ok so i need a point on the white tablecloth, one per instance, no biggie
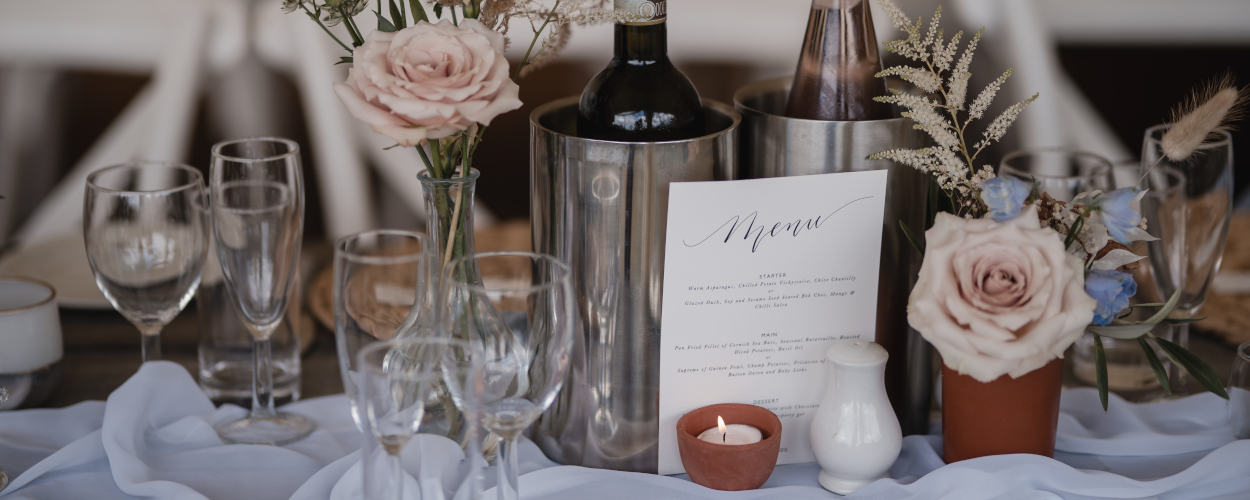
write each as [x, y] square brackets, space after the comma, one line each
[153, 438]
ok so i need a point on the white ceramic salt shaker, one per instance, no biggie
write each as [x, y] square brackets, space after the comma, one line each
[855, 434]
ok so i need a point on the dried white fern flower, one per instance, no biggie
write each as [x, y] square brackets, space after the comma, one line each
[938, 112]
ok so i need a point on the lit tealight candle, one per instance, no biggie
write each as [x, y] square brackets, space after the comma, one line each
[731, 434]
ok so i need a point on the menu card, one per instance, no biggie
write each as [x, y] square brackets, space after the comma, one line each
[759, 277]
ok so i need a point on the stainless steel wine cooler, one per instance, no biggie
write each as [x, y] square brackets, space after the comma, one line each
[773, 145]
[602, 207]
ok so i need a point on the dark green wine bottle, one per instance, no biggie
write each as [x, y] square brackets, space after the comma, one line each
[641, 96]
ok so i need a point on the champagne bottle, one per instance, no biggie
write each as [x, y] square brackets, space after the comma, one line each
[640, 96]
[834, 80]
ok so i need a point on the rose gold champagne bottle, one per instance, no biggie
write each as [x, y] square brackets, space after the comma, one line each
[834, 80]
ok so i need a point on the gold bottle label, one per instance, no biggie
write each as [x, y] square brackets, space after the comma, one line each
[651, 11]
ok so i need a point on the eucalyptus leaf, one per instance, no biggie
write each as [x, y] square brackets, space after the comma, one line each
[1100, 369]
[1156, 365]
[911, 238]
[1122, 332]
[1196, 367]
[1183, 321]
[384, 25]
[1167, 308]
[418, 12]
[397, 18]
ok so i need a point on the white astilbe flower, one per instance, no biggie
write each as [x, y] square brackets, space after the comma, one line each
[926, 80]
[942, 59]
[938, 111]
[982, 102]
[958, 82]
[1002, 122]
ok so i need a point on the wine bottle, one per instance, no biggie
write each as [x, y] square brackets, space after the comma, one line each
[640, 96]
[835, 78]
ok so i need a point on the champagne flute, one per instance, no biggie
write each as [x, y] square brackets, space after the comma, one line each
[257, 196]
[394, 378]
[522, 341]
[146, 230]
[1061, 173]
[1192, 225]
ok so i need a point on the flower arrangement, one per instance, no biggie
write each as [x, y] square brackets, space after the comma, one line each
[436, 84]
[1011, 277]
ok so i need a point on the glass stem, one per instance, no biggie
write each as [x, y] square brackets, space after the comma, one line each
[395, 476]
[262, 381]
[1180, 378]
[151, 346]
[507, 484]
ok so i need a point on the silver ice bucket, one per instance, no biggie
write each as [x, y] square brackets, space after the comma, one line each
[602, 207]
[772, 145]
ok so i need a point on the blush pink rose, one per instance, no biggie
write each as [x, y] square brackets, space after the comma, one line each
[998, 298]
[429, 81]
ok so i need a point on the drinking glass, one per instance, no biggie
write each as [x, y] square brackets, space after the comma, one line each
[394, 379]
[146, 231]
[1190, 217]
[522, 341]
[1061, 173]
[1239, 393]
[381, 280]
[257, 199]
[4, 398]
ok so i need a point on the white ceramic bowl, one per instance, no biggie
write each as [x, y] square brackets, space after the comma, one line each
[30, 339]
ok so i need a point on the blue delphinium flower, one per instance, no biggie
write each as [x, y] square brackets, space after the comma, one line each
[1120, 212]
[1004, 196]
[1111, 289]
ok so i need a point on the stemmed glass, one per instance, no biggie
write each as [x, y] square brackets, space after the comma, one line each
[257, 196]
[1238, 393]
[1191, 225]
[521, 341]
[394, 379]
[146, 231]
[381, 285]
[1061, 173]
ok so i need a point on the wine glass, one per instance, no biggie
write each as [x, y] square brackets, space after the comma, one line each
[257, 199]
[1061, 173]
[522, 341]
[394, 379]
[1239, 393]
[146, 231]
[381, 284]
[1191, 221]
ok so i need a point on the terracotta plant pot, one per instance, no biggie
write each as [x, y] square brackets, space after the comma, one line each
[1000, 417]
[729, 467]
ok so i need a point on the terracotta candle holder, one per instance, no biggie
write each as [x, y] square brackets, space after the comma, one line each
[729, 467]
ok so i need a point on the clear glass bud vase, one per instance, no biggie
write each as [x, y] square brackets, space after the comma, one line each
[449, 212]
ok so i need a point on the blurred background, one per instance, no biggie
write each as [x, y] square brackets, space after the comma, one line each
[85, 84]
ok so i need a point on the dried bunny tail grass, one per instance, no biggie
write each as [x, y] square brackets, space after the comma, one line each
[1213, 106]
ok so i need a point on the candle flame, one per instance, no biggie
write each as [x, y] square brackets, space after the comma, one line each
[720, 424]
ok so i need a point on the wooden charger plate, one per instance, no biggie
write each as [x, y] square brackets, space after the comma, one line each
[511, 235]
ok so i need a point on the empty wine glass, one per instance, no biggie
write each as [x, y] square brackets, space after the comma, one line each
[381, 282]
[394, 378]
[146, 231]
[522, 340]
[257, 195]
[1239, 393]
[1191, 222]
[1061, 173]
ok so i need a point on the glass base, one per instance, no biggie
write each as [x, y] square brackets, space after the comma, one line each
[282, 429]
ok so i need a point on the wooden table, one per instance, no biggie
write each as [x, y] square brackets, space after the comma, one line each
[102, 351]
